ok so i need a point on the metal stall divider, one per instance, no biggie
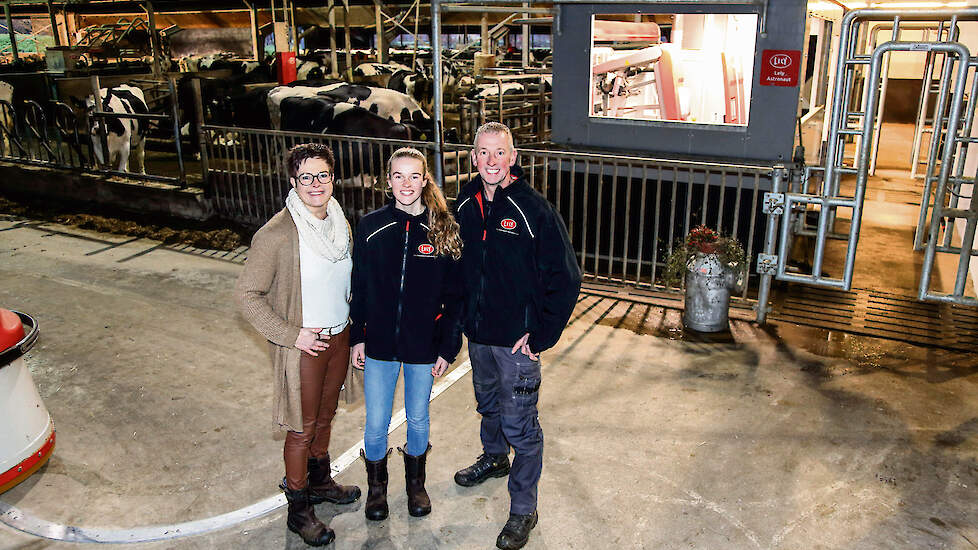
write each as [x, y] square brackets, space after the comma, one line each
[10, 132]
[785, 208]
[927, 88]
[938, 132]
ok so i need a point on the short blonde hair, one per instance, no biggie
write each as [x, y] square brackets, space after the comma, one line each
[494, 128]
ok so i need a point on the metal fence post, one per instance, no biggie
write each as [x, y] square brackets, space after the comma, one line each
[103, 143]
[201, 135]
[436, 72]
[542, 111]
[175, 113]
[770, 241]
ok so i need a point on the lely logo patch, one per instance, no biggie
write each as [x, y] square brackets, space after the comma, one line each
[508, 224]
[426, 248]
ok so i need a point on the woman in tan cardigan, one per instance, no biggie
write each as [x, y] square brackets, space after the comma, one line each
[295, 290]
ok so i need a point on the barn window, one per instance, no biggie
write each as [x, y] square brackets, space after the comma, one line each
[677, 68]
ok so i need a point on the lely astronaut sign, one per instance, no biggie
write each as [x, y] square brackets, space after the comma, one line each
[780, 67]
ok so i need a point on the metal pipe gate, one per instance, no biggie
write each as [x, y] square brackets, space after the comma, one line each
[787, 207]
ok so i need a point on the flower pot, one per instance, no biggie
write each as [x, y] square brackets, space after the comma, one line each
[707, 295]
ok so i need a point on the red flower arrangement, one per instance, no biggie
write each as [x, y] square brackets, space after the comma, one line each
[702, 240]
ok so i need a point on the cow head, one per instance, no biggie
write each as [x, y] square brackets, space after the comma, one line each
[420, 69]
[215, 100]
[423, 91]
[98, 126]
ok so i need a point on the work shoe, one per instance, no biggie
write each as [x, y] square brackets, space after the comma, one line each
[376, 507]
[322, 488]
[302, 519]
[418, 502]
[516, 531]
[485, 466]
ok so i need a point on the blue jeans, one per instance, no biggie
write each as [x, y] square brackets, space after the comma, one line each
[379, 381]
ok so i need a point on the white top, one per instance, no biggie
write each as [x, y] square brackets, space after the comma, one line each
[325, 289]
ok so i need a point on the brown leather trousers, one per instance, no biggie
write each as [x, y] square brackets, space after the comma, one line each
[320, 380]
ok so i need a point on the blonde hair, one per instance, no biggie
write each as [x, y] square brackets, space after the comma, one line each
[444, 231]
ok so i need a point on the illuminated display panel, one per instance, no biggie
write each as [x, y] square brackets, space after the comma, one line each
[682, 68]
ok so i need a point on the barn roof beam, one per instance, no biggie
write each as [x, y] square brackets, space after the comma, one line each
[22, 8]
[457, 8]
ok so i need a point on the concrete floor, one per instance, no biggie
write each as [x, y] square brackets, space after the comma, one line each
[770, 437]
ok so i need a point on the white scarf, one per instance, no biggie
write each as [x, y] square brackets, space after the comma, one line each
[330, 237]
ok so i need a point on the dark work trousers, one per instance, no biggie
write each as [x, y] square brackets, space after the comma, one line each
[320, 380]
[506, 390]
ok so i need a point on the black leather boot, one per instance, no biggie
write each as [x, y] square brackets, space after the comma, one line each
[303, 521]
[516, 531]
[376, 507]
[485, 466]
[418, 502]
[322, 488]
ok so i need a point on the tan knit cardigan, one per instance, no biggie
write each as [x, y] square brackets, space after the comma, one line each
[269, 295]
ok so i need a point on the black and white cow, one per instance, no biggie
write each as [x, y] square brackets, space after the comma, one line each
[414, 84]
[279, 93]
[389, 104]
[487, 91]
[313, 66]
[311, 69]
[242, 71]
[321, 115]
[419, 83]
[355, 165]
[123, 135]
[314, 83]
[195, 63]
[250, 72]
[377, 74]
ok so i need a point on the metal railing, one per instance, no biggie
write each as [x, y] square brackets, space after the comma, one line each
[58, 136]
[528, 116]
[43, 137]
[624, 213]
[245, 170]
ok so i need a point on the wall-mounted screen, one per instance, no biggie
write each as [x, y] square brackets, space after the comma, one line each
[682, 68]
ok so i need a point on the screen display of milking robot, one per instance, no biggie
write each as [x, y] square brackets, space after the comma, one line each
[682, 68]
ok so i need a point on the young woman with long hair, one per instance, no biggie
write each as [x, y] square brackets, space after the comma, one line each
[405, 310]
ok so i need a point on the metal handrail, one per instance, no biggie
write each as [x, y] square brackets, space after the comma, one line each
[312, 135]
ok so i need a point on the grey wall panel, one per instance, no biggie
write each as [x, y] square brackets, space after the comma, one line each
[769, 135]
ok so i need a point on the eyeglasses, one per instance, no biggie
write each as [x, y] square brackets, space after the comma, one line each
[307, 178]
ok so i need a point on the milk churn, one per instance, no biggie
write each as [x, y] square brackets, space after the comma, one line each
[708, 285]
[26, 429]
